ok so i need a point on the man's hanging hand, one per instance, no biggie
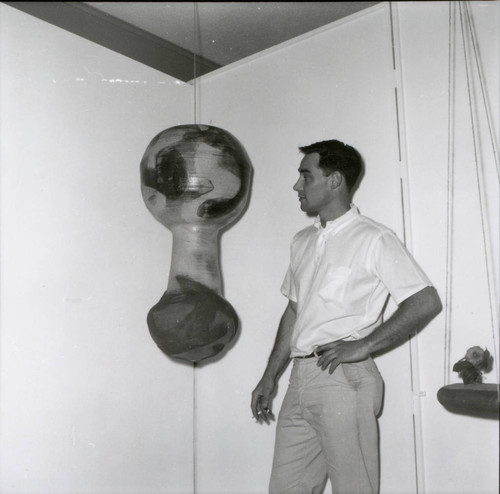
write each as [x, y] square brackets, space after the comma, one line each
[261, 400]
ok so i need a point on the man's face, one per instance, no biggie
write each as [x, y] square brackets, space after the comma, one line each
[313, 187]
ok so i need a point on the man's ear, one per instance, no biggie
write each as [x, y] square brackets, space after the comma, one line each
[335, 179]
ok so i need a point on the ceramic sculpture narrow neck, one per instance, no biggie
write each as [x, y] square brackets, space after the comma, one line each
[196, 256]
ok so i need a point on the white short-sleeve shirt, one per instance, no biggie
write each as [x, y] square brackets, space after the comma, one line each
[341, 275]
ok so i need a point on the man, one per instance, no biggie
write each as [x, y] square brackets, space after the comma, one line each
[342, 270]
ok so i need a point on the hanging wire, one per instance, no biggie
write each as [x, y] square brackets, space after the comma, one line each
[194, 428]
[480, 190]
[196, 49]
[482, 85]
[196, 38]
[450, 189]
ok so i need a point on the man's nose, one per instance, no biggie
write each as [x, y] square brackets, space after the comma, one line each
[297, 186]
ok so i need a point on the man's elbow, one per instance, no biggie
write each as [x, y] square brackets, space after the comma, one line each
[434, 305]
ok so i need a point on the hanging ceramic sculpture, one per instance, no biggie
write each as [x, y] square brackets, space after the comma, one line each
[195, 181]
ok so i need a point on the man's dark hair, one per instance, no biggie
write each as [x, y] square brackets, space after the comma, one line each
[337, 156]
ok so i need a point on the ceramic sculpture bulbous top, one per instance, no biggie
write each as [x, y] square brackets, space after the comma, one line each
[195, 180]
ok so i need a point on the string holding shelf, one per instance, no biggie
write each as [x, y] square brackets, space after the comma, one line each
[472, 399]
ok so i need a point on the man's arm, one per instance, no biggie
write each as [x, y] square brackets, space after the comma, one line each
[412, 315]
[278, 360]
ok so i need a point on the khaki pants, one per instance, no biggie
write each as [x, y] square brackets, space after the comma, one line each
[327, 428]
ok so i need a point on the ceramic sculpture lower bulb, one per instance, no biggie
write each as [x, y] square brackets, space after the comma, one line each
[195, 180]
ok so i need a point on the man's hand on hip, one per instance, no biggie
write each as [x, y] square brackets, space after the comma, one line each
[338, 352]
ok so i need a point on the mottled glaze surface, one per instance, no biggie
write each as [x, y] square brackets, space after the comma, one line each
[195, 180]
[195, 174]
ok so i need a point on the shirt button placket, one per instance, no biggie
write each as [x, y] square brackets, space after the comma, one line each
[320, 246]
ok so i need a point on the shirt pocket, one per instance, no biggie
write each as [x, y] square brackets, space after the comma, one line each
[333, 286]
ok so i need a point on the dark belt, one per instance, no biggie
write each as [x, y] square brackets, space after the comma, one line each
[311, 355]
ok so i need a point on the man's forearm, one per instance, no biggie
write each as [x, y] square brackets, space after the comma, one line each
[280, 354]
[411, 316]
[279, 358]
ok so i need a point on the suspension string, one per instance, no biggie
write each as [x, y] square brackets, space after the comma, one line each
[450, 189]
[491, 288]
[480, 192]
[468, 16]
[196, 28]
[194, 428]
[196, 24]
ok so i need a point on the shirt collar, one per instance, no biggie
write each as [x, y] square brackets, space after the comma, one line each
[338, 223]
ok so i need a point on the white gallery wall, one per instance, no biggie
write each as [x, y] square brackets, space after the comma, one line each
[460, 452]
[88, 403]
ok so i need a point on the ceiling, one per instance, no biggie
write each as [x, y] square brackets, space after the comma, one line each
[189, 39]
[228, 31]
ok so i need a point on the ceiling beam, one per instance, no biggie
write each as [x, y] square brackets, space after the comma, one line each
[119, 36]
